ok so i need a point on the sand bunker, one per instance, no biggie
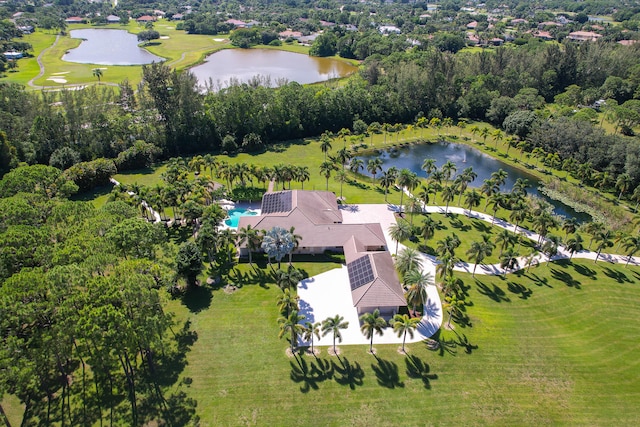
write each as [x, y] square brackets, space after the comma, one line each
[164, 37]
[57, 80]
[218, 40]
[61, 72]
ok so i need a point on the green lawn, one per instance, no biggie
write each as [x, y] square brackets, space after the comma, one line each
[467, 229]
[554, 346]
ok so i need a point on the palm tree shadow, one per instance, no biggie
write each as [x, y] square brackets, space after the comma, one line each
[519, 289]
[496, 294]
[441, 345]
[387, 374]
[463, 341]
[584, 270]
[347, 373]
[618, 276]
[418, 369]
[565, 278]
[309, 375]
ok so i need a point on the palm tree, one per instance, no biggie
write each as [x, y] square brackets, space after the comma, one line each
[505, 239]
[426, 191]
[484, 133]
[623, 184]
[448, 194]
[499, 177]
[472, 199]
[325, 144]
[403, 325]
[497, 135]
[400, 231]
[520, 187]
[341, 177]
[333, 325]
[97, 73]
[372, 324]
[489, 188]
[408, 259]
[603, 239]
[518, 214]
[428, 229]
[429, 166]
[593, 228]
[569, 225]
[449, 170]
[296, 238]
[406, 179]
[373, 167]
[288, 279]
[311, 330]
[325, 170]
[417, 290]
[542, 223]
[479, 251]
[509, 260]
[454, 304]
[287, 302]
[277, 243]
[445, 266]
[387, 179]
[632, 246]
[356, 165]
[290, 325]
[574, 244]
[550, 247]
[448, 245]
[303, 175]
[249, 235]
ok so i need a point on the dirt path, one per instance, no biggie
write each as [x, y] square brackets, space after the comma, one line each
[39, 59]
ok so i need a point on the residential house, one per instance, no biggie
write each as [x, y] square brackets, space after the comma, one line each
[236, 23]
[317, 219]
[13, 55]
[113, 19]
[146, 18]
[177, 17]
[389, 29]
[288, 33]
[584, 36]
[74, 20]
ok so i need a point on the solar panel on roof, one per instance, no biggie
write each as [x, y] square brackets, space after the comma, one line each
[360, 272]
[276, 202]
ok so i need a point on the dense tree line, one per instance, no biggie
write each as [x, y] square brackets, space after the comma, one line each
[84, 338]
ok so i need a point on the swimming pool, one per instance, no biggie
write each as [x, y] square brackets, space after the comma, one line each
[235, 214]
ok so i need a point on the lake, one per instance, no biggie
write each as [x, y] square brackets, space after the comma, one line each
[108, 47]
[243, 65]
[464, 156]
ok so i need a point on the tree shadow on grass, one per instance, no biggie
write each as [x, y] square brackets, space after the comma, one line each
[540, 281]
[565, 278]
[519, 289]
[458, 224]
[495, 293]
[481, 226]
[418, 369]
[347, 373]
[584, 270]
[618, 276]
[387, 374]
[178, 234]
[197, 298]
[310, 375]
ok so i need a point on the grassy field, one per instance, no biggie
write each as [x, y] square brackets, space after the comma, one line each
[469, 230]
[554, 346]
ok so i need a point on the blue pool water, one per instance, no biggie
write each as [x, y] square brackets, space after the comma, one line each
[235, 214]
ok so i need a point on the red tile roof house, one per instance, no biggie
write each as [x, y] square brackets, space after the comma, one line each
[146, 18]
[584, 36]
[318, 220]
[74, 20]
[235, 22]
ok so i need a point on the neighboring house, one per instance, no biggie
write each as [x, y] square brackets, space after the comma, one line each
[496, 41]
[473, 39]
[113, 19]
[472, 25]
[288, 33]
[177, 17]
[544, 35]
[389, 29]
[308, 40]
[584, 36]
[518, 21]
[160, 13]
[74, 20]
[627, 42]
[26, 29]
[13, 55]
[545, 24]
[317, 219]
[146, 18]
[237, 23]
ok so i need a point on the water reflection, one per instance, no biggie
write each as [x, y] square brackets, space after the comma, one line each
[464, 156]
[244, 65]
[108, 47]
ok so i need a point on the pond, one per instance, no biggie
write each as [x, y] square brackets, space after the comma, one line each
[108, 47]
[244, 65]
[464, 156]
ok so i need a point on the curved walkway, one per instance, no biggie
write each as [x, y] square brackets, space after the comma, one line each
[495, 269]
[39, 60]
